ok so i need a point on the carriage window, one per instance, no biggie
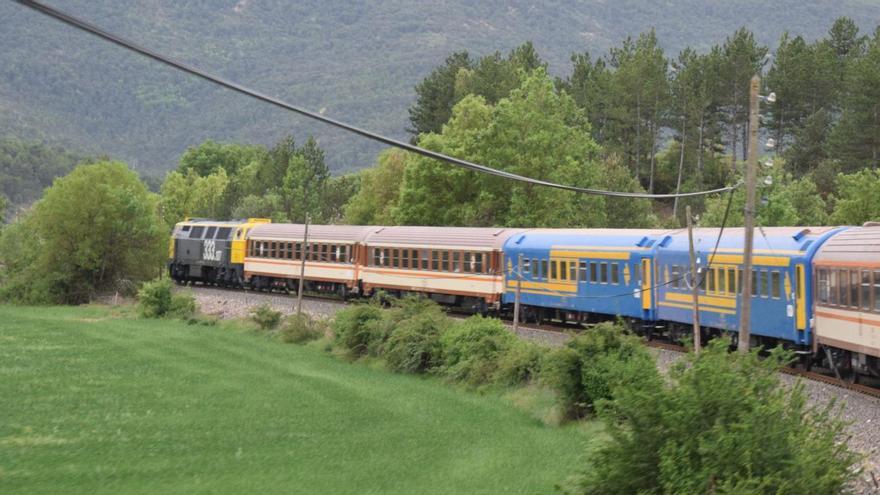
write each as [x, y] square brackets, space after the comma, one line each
[866, 290]
[822, 285]
[854, 288]
[832, 287]
[775, 285]
[478, 263]
[615, 274]
[210, 233]
[739, 281]
[594, 272]
[424, 258]
[722, 280]
[185, 228]
[223, 232]
[456, 262]
[415, 259]
[765, 283]
[876, 295]
[543, 269]
[843, 280]
[404, 258]
[395, 258]
[731, 281]
[536, 268]
[553, 272]
[711, 275]
[572, 271]
[445, 264]
[196, 232]
[674, 277]
[525, 268]
[435, 260]
[603, 273]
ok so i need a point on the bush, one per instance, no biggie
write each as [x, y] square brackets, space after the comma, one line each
[472, 349]
[355, 328]
[723, 424]
[154, 298]
[592, 365]
[265, 317]
[414, 345]
[520, 364]
[299, 329]
[183, 306]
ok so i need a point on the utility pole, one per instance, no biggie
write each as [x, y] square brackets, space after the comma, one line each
[304, 252]
[749, 218]
[695, 281]
[518, 292]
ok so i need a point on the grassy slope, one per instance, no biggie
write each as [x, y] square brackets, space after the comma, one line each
[93, 403]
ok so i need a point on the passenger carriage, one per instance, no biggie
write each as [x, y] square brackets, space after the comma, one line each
[847, 281]
[579, 275]
[781, 282]
[275, 254]
[457, 266]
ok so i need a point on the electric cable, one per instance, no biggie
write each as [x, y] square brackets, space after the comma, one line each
[131, 45]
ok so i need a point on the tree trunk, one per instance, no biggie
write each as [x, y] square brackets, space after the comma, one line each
[680, 168]
[700, 146]
[733, 136]
[653, 154]
[638, 138]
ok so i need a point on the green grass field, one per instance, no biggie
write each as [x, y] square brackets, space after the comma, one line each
[97, 403]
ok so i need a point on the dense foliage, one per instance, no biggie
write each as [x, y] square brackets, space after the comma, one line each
[724, 423]
[26, 168]
[94, 230]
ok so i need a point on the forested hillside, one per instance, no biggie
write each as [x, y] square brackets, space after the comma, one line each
[357, 62]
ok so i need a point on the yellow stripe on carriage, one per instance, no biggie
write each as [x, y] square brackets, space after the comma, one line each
[702, 308]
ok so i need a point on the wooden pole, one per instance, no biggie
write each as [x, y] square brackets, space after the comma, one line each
[695, 281]
[749, 218]
[518, 292]
[302, 268]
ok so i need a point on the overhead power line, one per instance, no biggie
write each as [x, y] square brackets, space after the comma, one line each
[130, 45]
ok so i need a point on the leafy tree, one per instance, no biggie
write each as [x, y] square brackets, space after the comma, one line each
[743, 57]
[810, 146]
[435, 95]
[856, 138]
[208, 157]
[723, 423]
[857, 199]
[787, 201]
[535, 132]
[93, 230]
[305, 182]
[339, 191]
[190, 195]
[493, 77]
[624, 213]
[378, 195]
[269, 205]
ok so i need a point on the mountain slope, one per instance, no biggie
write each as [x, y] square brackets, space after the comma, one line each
[358, 62]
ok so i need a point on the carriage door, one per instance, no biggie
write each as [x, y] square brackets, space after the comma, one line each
[800, 297]
[646, 284]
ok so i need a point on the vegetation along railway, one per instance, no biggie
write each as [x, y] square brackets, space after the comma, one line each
[816, 290]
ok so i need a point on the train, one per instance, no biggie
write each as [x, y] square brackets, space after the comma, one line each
[815, 290]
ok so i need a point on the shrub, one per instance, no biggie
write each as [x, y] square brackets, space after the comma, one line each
[301, 328]
[355, 328]
[154, 298]
[593, 364]
[400, 311]
[472, 349]
[414, 345]
[723, 424]
[183, 306]
[520, 363]
[265, 317]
